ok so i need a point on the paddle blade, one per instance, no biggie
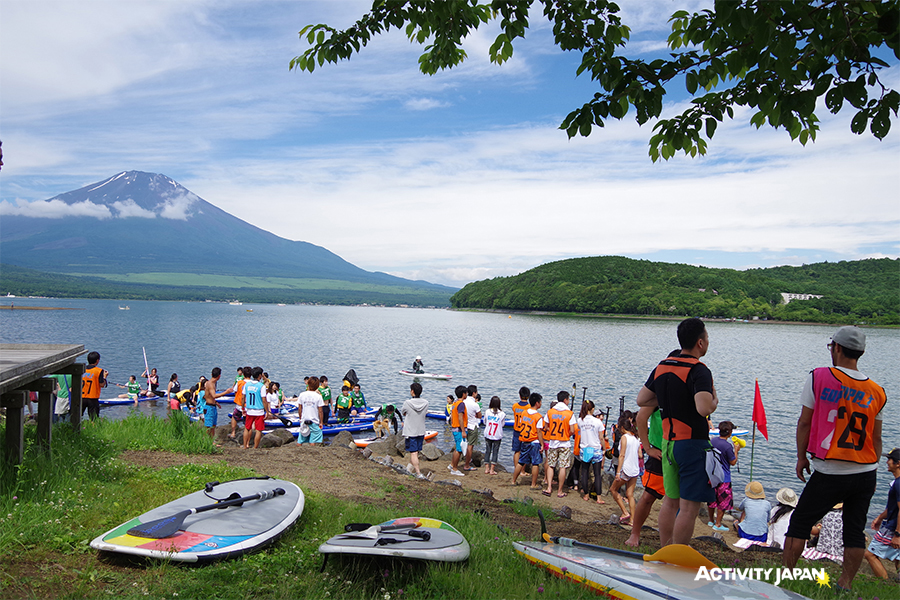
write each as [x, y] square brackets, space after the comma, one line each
[161, 528]
[681, 555]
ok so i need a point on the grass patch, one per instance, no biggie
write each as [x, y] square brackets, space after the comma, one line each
[52, 506]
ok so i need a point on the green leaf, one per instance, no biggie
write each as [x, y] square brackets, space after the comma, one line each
[690, 82]
[858, 124]
[711, 127]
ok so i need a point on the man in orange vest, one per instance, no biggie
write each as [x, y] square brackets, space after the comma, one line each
[237, 415]
[93, 380]
[840, 428]
[559, 426]
[518, 410]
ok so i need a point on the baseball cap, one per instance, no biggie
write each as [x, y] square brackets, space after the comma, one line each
[850, 337]
[894, 455]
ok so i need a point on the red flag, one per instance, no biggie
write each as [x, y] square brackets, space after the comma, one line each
[759, 413]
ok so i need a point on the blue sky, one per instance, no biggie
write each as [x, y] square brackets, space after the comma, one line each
[450, 178]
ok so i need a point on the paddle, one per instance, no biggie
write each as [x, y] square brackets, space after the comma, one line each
[167, 526]
[673, 554]
[364, 530]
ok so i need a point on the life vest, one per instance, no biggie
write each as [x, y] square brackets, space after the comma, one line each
[91, 383]
[325, 392]
[459, 419]
[530, 422]
[253, 395]
[681, 421]
[239, 392]
[519, 409]
[556, 425]
[844, 417]
[344, 401]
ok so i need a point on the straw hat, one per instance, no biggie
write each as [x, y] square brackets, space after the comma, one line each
[755, 490]
[786, 496]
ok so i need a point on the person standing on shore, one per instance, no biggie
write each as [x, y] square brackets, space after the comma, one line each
[310, 406]
[592, 432]
[518, 410]
[413, 411]
[93, 380]
[458, 427]
[649, 427]
[494, 420]
[325, 392]
[840, 428]
[885, 543]
[256, 408]
[682, 387]
[532, 441]
[473, 419]
[559, 426]
[211, 403]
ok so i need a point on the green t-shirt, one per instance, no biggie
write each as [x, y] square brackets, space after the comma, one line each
[65, 383]
[325, 392]
[133, 388]
[344, 401]
[655, 432]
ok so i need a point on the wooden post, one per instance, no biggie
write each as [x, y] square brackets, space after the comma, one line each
[76, 370]
[45, 388]
[14, 402]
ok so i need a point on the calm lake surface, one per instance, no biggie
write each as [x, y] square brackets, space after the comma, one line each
[497, 352]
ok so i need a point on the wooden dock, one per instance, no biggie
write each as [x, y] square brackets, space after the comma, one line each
[23, 369]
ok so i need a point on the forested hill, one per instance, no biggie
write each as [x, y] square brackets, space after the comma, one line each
[852, 291]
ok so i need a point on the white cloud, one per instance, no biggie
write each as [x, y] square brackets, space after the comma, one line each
[424, 103]
[55, 209]
[177, 206]
[129, 208]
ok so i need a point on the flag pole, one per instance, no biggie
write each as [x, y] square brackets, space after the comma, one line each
[752, 446]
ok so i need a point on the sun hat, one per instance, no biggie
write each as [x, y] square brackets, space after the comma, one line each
[304, 429]
[755, 490]
[850, 337]
[786, 496]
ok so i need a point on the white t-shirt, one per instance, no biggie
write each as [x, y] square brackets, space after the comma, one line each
[493, 425]
[630, 465]
[309, 403]
[592, 430]
[836, 467]
[472, 410]
[573, 422]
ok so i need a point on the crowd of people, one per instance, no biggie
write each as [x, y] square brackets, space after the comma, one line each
[666, 444]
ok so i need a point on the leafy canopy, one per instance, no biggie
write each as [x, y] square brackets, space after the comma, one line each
[778, 58]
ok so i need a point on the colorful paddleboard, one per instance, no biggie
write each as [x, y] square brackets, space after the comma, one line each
[333, 429]
[214, 534]
[738, 432]
[445, 544]
[631, 578]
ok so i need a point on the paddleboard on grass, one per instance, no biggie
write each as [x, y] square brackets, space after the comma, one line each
[445, 544]
[632, 578]
[214, 534]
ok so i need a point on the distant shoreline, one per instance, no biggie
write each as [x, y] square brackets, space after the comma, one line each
[547, 313]
[12, 307]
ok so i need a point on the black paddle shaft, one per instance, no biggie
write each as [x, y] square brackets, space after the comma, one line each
[167, 526]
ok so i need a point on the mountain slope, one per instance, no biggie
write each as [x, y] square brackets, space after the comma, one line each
[137, 222]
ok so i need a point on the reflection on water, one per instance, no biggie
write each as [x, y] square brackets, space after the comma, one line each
[609, 357]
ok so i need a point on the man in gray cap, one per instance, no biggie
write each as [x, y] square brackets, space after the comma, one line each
[840, 429]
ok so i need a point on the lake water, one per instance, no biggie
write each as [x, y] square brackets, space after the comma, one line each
[497, 352]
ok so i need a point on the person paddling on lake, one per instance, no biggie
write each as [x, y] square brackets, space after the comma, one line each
[418, 367]
[133, 387]
[152, 381]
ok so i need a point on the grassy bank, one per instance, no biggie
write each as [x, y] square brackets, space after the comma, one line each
[51, 507]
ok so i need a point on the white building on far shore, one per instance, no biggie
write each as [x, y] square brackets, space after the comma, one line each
[788, 297]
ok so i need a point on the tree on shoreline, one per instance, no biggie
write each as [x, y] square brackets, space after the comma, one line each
[778, 58]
